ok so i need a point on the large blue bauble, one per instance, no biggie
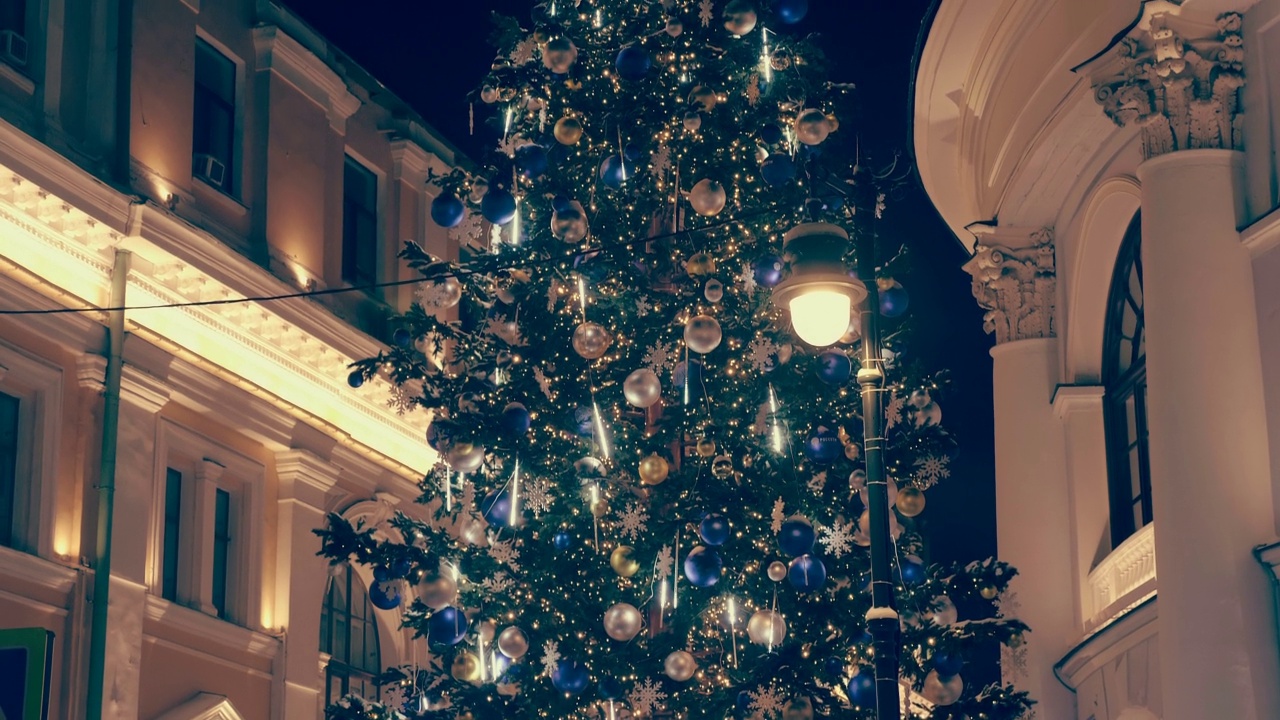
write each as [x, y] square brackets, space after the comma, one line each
[834, 665]
[498, 206]
[894, 301]
[633, 152]
[447, 626]
[796, 538]
[862, 689]
[703, 566]
[562, 540]
[402, 337]
[947, 664]
[778, 169]
[582, 421]
[912, 570]
[614, 170]
[834, 367]
[516, 419]
[447, 210]
[771, 134]
[610, 688]
[633, 63]
[385, 594]
[440, 434]
[570, 676]
[767, 270]
[355, 379]
[496, 507]
[531, 160]
[823, 446]
[807, 573]
[792, 11]
[714, 529]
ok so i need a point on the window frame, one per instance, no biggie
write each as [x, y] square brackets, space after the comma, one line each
[38, 386]
[1122, 384]
[349, 270]
[231, 185]
[339, 667]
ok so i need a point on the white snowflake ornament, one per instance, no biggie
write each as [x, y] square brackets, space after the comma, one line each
[660, 358]
[550, 656]
[768, 701]
[646, 697]
[838, 538]
[633, 521]
[778, 516]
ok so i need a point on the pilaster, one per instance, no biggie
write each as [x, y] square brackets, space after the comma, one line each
[1015, 281]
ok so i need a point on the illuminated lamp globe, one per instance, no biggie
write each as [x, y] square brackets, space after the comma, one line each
[819, 293]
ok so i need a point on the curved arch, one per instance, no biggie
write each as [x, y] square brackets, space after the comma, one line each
[1108, 212]
[394, 640]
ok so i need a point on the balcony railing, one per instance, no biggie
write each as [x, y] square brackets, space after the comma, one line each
[1123, 579]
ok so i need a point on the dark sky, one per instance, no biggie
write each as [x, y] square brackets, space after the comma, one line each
[433, 52]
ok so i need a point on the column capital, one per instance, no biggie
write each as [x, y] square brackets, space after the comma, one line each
[1177, 78]
[1015, 281]
[143, 389]
[305, 476]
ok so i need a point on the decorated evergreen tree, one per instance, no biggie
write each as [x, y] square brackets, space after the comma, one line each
[651, 500]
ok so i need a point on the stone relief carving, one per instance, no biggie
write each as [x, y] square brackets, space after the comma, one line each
[1017, 288]
[1184, 92]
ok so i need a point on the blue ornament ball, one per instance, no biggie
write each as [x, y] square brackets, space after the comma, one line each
[447, 210]
[355, 379]
[516, 419]
[440, 435]
[570, 676]
[447, 626]
[894, 301]
[385, 594]
[703, 566]
[633, 63]
[714, 529]
[771, 134]
[792, 11]
[582, 421]
[834, 367]
[912, 570]
[562, 540]
[496, 507]
[823, 446]
[401, 337]
[862, 689]
[610, 688]
[834, 665]
[531, 160]
[807, 573]
[947, 664]
[498, 206]
[767, 270]
[778, 169]
[613, 171]
[796, 537]
[633, 152]
[744, 700]
[560, 203]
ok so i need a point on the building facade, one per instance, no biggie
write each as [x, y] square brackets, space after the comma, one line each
[1112, 167]
[235, 155]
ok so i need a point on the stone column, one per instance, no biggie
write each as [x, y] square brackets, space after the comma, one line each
[199, 496]
[1178, 79]
[304, 481]
[1014, 279]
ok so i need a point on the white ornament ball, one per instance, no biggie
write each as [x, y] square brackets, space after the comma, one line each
[465, 458]
[708, 197]
[942, 692]
[622, 622]
[680, 665]
[812, 127]
[642, 388]
[439, 592]
[513, 642]
[702, 334]
[766, 627]
[713, 291]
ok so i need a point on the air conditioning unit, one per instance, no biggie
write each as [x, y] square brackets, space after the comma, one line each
[13, 48]
[209, 168]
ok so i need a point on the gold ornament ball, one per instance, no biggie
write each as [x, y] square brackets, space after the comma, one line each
[623, 561]
[910, 501]
[706, 447]
[766, 627]
[833, 121]
[852, 451]
[559, 55]
[466, 667]
[653, 470]
[777, 570]
[568, 131]
[988, 592]
[600, 508]
[1015, 641]
[812, 127]
[780, 59]
[700, 264]
[704, 97]
[591, 340]
[722, 467]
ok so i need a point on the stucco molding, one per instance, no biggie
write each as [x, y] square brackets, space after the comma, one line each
[1015, 284]
[1177, 79]
[300, 67]
[412, 163]
[204, 706]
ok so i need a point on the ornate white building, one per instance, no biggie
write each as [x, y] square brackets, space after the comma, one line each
[1112, 166]
[235, 154]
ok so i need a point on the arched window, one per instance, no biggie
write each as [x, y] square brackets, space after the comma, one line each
[349, 634]
[1125, 377]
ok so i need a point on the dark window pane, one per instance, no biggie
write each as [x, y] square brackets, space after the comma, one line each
[1137, 515]
[1135, 475]
[9, 407]
[349, 633]
[359, 223]
[213, 126]
[13, 16]
[221, 545]
[172, 520]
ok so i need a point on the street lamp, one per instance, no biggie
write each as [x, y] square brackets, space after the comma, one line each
[819, 293]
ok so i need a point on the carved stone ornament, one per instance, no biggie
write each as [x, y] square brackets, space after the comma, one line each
[1177, 80]
[1017, 288]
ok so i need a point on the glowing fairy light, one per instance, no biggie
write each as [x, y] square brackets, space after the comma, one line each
[448, 489]
[598, 22]
[765, 65]
[733, 628]
[480, 653]
[582, 296]
[776, 438]
[515, 225]
[515, 494]
[506, 123]
[662, 594]
[601, 436]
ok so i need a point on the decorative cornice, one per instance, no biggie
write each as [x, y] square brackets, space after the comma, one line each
[1176, 79]
[143, 389]
[91, 372]
[300, 67]
[411, 163]
[305, 477]
[1016, 286]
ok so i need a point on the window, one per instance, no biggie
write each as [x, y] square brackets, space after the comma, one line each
[1125, 377]
[221, 543]
[349, 634]
[359, 224]
[213, 138]
[172, 520]
[13, 16]
[8, 465]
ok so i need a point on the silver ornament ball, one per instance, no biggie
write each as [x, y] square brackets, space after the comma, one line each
[767, 627]
[702, 334]
[591, 340]
[713, 291]
[707, 197]
[777, 571]
[942, 692]
[569, 224]
[642, 388]
[513, 642]
[559, 55]
[680, 665]
[439, 592]
[812, 127]
[692, 121]
[740, 17]
[622, 622]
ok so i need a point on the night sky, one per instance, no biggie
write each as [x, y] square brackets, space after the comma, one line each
[433, 52]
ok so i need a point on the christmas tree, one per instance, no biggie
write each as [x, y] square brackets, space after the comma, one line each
[652, 498]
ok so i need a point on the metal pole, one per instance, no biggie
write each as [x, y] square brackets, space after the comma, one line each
[882, 619]
[107, 488]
